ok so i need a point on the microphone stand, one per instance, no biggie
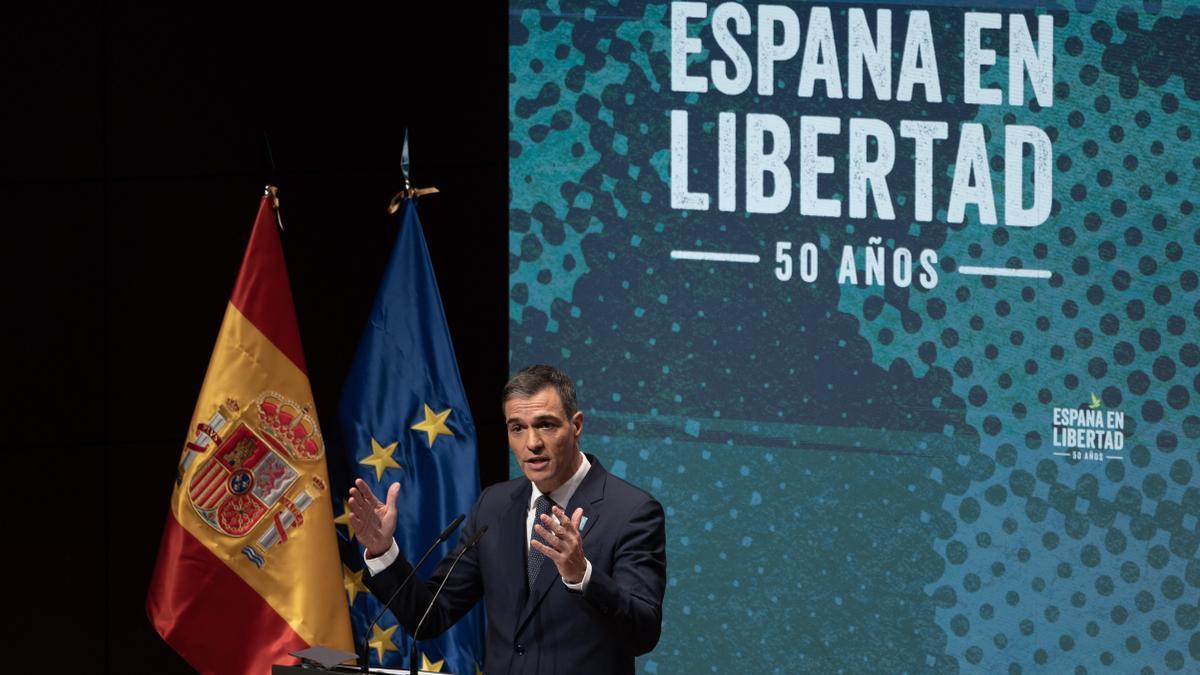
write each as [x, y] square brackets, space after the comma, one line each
[365, 654]
[412, 663]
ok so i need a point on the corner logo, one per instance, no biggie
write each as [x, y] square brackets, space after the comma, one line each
[1089, 433]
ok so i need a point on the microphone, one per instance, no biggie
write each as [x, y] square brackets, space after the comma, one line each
[412, 663]
[365, 654]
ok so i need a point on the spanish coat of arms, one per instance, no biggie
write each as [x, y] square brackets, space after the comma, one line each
[255, 472]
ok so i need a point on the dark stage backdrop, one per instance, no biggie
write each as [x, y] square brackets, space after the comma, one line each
[877, 452]
[130, 173]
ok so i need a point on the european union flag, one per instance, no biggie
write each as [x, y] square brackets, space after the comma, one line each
[405, 418]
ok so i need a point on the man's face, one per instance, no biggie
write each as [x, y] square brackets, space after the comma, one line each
[544, 441]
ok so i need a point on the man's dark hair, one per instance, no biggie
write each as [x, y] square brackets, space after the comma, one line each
[532, 379]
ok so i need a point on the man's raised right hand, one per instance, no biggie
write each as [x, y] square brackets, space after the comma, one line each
[374, 522]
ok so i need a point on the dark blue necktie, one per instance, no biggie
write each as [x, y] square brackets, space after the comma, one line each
[534, 563]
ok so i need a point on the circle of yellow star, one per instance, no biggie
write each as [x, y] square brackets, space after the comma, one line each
[434, 424]
[353, 582]
[381, 640]
[381, 458]
[431, 666]
[344, 520]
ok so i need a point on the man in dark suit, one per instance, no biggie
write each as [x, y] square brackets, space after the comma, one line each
[578, 593]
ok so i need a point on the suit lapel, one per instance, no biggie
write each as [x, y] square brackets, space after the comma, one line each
[588, 496]
[512, 543]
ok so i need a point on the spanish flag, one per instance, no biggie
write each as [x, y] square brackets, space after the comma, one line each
[248, 567]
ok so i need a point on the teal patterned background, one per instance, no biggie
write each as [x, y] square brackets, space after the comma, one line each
[862, 478]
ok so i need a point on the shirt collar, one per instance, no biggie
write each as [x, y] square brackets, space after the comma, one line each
[562, 495]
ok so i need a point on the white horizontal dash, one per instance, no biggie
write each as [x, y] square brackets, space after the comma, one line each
[714, 256]
[1005, 272]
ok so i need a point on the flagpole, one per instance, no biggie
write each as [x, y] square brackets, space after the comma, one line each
[409, 192]
[273, 193]
[270, 190]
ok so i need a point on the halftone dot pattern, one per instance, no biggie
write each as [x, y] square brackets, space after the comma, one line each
[861, 479]
[1040, 539]
[549, 213]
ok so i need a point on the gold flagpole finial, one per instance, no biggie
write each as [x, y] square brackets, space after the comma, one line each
[409, 192]
[273, 192]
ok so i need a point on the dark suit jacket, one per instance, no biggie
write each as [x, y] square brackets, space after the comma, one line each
[550, 629]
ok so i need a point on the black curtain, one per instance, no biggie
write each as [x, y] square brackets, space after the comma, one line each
[130, 172]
